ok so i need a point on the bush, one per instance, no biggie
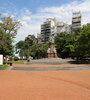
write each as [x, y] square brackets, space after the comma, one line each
[16, 58]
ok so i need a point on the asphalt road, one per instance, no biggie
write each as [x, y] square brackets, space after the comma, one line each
[51, 68]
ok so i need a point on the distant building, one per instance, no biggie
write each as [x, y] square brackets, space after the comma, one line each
[47, 28]
[76, 20]
[62, 27]
[53, 27]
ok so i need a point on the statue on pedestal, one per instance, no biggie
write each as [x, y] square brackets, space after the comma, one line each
[52, 53]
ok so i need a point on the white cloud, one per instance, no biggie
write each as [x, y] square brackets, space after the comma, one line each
[31, 22]
[64, 12]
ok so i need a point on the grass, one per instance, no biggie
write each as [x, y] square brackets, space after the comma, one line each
[3, 67]
[14, 62]
[17, 62]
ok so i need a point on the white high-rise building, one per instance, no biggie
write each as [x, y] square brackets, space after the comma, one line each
[51, 27]
[62, 27]
[47, 29]
[76, 20]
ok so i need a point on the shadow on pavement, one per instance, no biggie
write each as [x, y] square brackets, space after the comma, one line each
[80, 62]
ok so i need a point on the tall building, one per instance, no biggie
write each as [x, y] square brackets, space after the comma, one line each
[62, 27]
[47, 29]
[76, 20]
[51, 27]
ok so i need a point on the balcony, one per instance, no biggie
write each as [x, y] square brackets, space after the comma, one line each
[78, 26]
[76, 20]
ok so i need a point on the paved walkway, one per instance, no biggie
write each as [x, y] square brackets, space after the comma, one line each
[51, 68]
[51, 61]
[45, 85]
[49, 65]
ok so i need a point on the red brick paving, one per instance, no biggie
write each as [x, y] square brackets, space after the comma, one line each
[45, 85]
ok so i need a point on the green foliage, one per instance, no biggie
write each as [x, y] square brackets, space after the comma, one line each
[20, 48]
[8, 30]
[82, 49]
[16, 58]
[64, 44]
[76, 45]
[28, 48]
[10, 25]
[6, 47]
[3, 67]
[41, 51]
[17, 62]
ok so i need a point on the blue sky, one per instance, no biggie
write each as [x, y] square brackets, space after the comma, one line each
[32, 4]
[32, 13]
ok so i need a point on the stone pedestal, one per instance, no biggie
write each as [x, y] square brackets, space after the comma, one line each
[51, 52]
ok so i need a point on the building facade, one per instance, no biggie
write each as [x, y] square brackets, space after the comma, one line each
[62, 27]
[76, 20]
[51, 27]
[47, 29]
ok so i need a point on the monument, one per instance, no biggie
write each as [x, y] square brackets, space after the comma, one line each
[51, 52]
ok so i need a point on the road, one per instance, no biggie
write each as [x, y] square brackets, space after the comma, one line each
[51, 68]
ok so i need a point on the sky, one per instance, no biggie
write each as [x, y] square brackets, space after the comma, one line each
[32, 13]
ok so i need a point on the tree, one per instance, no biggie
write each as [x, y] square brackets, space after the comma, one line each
[28, 48]
[8, 30]
[30, 40]
[41, 51]
[65, 44]
[6, 47]
[82, 49]
[75, 45]
[20, 48]
[10, 25]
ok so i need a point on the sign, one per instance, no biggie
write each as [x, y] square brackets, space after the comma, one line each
[1, 59]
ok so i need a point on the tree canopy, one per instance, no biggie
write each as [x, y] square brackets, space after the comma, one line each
[30, 47]
[64, 44]
[8, 30]
[75, 45]
[10, 25]
[82, 48]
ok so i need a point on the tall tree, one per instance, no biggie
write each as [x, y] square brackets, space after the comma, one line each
[65, 44]
[8, 30]
[28, 48]
[6, 47]
[82, 49]
[20, 46]
[10, 25]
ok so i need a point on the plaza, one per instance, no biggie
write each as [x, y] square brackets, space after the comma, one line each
[45, 85]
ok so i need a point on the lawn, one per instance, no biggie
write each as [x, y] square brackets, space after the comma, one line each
[17, 62]
[4, 66]
[14, 62]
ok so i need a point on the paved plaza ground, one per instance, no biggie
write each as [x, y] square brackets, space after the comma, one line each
[45, 85]
[45, 67]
